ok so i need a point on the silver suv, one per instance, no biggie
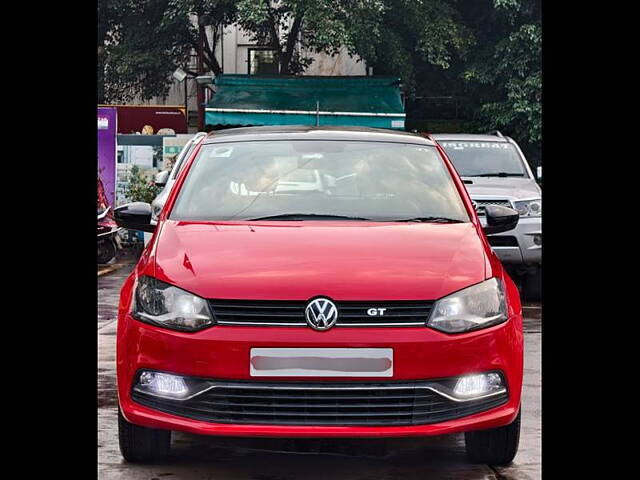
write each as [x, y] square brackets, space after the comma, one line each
[496, 172]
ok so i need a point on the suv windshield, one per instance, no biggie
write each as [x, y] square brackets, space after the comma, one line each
[292, 180]
[484, 159]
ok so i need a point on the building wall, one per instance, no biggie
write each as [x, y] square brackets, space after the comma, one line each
[337, 65]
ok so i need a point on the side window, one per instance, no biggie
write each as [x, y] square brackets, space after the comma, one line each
[524, 161]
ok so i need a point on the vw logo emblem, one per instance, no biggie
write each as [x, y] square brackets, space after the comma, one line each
[321, 314]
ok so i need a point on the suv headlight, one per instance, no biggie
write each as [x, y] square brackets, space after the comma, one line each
[167, 306]
[529, 208]
[479, 306]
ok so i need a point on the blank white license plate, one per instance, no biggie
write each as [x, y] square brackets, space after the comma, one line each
[321, 362]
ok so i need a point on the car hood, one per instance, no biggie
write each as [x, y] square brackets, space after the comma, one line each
[509, 187]
[301, 260]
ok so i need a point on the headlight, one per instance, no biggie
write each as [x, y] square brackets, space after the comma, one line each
[478, 306]
[168, 385]
[479, 385]
[162, 384]
[529, 208]
[167, 306]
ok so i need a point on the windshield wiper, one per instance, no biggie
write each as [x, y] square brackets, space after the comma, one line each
[429, 219]
[497, 174]
[307, 216]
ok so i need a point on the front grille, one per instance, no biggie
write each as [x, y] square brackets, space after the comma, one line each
[482, 203]
[502, 241]
[372, 404]
[291, 313]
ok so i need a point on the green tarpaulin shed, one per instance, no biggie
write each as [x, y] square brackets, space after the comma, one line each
[337, 101]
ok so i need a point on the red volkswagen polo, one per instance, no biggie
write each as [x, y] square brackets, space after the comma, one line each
[319, 282]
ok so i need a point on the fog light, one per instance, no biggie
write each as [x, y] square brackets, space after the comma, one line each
[537, 239]
[162, 385]
[478, 385]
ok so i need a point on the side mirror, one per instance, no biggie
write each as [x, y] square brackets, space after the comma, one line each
[134, 216]
[162, 178]
[500, 219]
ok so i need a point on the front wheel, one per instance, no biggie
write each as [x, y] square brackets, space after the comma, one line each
[141, 444]
[497, 446]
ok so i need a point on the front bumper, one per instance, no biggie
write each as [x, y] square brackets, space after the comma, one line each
[223, 353]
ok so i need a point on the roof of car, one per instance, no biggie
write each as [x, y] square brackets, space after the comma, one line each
[301, 132]
[468, 137]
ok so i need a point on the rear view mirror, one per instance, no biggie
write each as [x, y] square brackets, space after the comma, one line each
[134, 216]
[500, 219]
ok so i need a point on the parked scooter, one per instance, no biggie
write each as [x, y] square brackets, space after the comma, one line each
[107, 239]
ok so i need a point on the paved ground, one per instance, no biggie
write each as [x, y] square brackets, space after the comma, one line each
[205, 458]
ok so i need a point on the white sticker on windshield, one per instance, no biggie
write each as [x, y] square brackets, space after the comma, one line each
[222, 152]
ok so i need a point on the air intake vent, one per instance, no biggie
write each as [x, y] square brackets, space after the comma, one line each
[392, 403]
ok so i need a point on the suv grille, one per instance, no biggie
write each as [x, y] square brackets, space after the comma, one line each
[291, 313]
[482, 203]
[408, 403]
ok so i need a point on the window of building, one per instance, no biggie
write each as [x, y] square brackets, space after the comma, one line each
[262, 61]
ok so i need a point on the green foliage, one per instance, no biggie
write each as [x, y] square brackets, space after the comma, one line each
[522, 84]
[507, 76]
[297, 28]
[139, 188]
[142, 42]
[141, 50]
[415, 35]
[212, 14]
[492, 63]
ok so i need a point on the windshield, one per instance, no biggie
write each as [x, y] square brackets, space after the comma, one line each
[484, 158]
[333, 179]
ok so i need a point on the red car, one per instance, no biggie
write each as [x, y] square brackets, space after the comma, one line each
[319, 282]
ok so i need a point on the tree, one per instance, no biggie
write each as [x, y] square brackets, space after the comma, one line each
[108, 16]
[506, 75]
[142, 42]
[486, 52]
[416, 34]
[212, 14]
[295, 29]
[146, 40]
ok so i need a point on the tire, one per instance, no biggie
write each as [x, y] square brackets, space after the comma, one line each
[141, 444]
[497, 446]
[532, 286]
[106, 251]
